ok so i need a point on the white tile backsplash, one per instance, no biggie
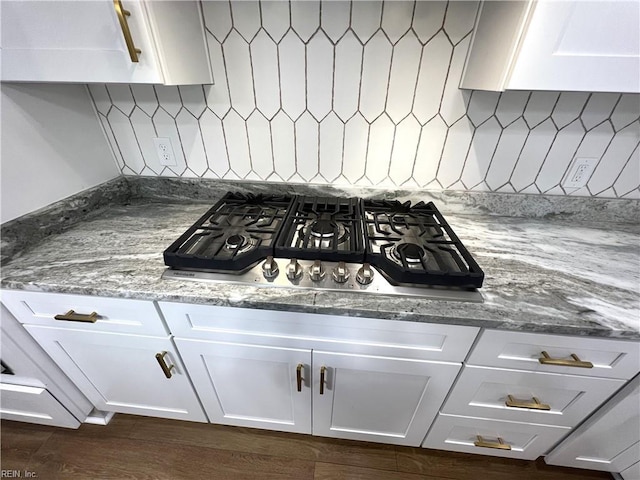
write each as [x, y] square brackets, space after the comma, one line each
[366, 93]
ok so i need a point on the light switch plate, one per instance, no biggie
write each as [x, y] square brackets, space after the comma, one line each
[579, 172]
[165, 151]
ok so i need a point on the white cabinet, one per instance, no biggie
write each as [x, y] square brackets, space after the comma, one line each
[95, 41]
[581, 45]
[33, 405]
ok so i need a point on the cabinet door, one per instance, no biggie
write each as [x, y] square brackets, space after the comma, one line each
[120, 373]
[251, 385]
[33, 405]
[377, 399]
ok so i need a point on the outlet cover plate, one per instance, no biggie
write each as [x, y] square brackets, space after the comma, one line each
[165, 151]
[580, 172]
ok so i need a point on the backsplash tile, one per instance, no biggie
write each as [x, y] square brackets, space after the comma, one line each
[366, 93]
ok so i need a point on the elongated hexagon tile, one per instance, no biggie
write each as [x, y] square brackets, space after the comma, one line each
[633, 194]
[568, 107]
[396, 18]
[246, 18]
[283, 138]
[379, 152]
[539, 107]
[100, 97]
[560, 156]
[319, 75]
[275, 18]
[627, 110]
[305, 18]
[266, 79]
[483, 146]
[145, 132]
[307, 146]
[432, 76]
[533, 154]
[335, 18]
[596, 141]
[482, 105]
[166, 127]
[217, 18]
[193, 99]
[455, 151]
[292, 74]
[217, 95]
[615, 158]
[346, 84]
[365, 19]
[454, 100]
[169, 99]
[531, 189]
[121, 97]
[331, 142]
[629, 178]
[599, 107]
[356, 138]
[405, 146]
[375, 75]
[239, 75]
[506, 155]
[506, 188]
[126, 140]
[192, 144]
[459, 19]
[214, 143]
[231, 175]
[404, 73]
[428, 18]
[511, 106]
[429, 151]
[260, 145]
[113, 144]
[608, 193]
[235, 133]
[145, 98]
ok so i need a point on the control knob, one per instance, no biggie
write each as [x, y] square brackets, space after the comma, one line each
[294, 270]
[340, 273]
[316, 271]
[365, 275]
[270, 268]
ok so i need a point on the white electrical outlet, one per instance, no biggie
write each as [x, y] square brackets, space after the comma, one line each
[165, 151]
[579, 172]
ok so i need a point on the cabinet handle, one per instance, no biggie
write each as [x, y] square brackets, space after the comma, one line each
[165, 369]
[322, 372]
[72, 316]
[562, 362]
[299, 376]
[124, 25]
[500, 445]
[533, 404]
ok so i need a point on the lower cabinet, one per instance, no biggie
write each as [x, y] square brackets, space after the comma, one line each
[29, 404]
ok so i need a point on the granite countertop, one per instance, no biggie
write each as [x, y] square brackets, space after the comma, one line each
[551, 274]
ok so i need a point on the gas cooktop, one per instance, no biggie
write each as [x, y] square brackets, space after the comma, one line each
[327, 243]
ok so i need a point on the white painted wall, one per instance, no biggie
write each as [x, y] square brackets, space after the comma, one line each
[52, 146]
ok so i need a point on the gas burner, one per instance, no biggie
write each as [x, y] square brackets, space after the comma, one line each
[322, 232]
[235, 241]
[412, 253]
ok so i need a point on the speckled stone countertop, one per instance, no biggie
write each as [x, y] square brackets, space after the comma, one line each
[562, 274]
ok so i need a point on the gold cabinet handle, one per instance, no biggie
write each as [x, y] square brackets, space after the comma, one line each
[533, 404]
[166, 369]
[322, 373]
[562, 362]
[124, 25]
[72, 316]
[500, 445]
[299, 376]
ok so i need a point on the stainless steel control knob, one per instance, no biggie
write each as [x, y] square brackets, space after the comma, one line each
[365, 275]
[341, 273]
[270, 268]
[294, 270]
[316, 271]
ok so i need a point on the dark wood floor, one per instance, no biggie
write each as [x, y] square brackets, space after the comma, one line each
[149, 448]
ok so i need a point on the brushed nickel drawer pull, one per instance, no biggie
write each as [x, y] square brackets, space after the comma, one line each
[562, 362]
[72, 316]
[166, 369]
[126, 32]
[534, 404]
[500, 445]
[322, 373]
[299, 376]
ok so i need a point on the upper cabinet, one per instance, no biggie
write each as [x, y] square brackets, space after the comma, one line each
[104, 41]
[589, 46]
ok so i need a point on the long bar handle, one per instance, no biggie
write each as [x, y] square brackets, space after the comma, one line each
[166, 369]
[322, 374]
[562, 362]
[72, 316]
[299, 376]
[534, 404]
[500, 445]
[124, 25]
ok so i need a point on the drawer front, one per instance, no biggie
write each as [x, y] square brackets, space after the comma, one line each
[301, 330]
[610, 358]
[484, 392]
[460, 434]
[33, 405]
[113, 314]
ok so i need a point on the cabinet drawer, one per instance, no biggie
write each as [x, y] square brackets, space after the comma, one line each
[113, 314]
[33, 405]
[483, 392]
[423, 341]
[610, 358]
[459, 434]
